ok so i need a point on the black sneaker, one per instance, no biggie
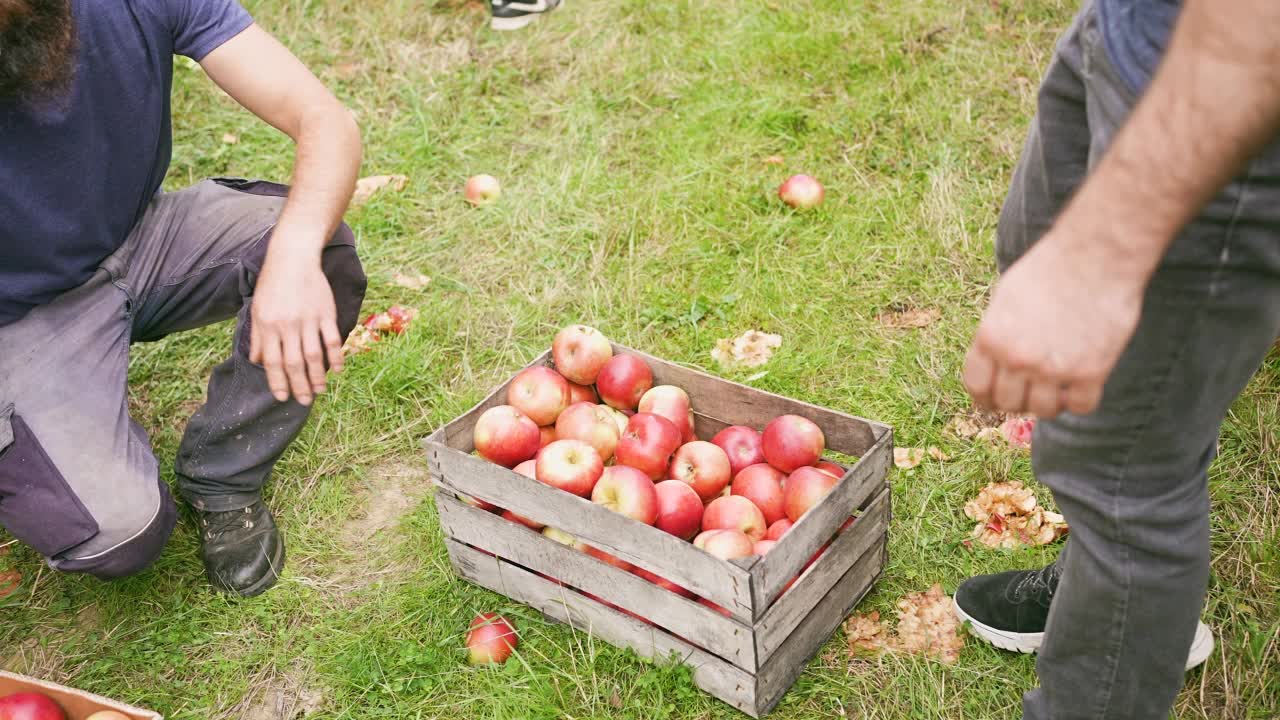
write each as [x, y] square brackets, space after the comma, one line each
[515, 14]
[242, 550]
[1010, 610]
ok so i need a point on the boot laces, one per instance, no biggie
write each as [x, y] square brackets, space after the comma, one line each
[217, 523]
[1043, 580]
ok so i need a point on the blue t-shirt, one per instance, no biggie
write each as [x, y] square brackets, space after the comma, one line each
[77, 174]
[1136, 33]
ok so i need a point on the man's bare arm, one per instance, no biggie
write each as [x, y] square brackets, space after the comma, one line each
[294, 325]
[1062, 315]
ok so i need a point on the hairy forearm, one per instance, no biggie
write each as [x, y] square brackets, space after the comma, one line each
[1212, 104]
[324, 175]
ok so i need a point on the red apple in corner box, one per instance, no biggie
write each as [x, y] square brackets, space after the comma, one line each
[778, 529]
[801, 191]
[29, 706]
[806, 488]
[647, 444]
[724, 544]
[539, 392]
[762, 485]
[742, 444]
[831, 468]
[491, 639]
[679, 509]
[582, 393]
[506, 436]
[704, 466]
[735, 513]
[662, 582]
[592, 424]
[623, 380]
[790, 441]
[579, 352]
[628, 491]
[603, 556]
[571, 465]
[671, 403]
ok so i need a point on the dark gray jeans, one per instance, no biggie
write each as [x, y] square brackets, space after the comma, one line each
[1131, 477]
[78, 480]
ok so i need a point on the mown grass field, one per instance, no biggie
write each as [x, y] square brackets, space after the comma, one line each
[629, 135]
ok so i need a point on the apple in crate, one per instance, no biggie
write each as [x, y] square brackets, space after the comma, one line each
[713, 606]
[592, 424]
[806, 488]
[547, 435]
[802, 192]
[580, 352]
[603, 556]
[582, 393]
[672, 403]
[623, 380]
[763, 546]
[778, 529]
[482, 189]
[735, 513]
[662, 582]
[628, 491]
[724, 544]
[506, 436]
[540, 393]
[29, 706]
[704, 466]
[679, 509]
[790, 442]
[491, 639]
[742, 444]
[762, 485]
[647, 444]
[831, 468]
[562, 537]
[477, 502]
[571, 465]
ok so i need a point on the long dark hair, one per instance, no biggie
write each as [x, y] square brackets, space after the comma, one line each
[37, 49]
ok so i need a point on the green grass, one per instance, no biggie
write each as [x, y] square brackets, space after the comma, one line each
[629, 136]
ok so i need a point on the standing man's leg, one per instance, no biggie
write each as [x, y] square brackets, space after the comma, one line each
[193, 261]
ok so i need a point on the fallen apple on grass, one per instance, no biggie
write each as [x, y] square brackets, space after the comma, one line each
[627, 491]
[506, 436]
[790, 442]
[735, 513]
[647, 444]
[623, 380]
[30, 706]
[592, 424]
[571, 465]
[704, 466]
[491, 639]
[540, 393]
[679, 509]
[801, 192]
[482, 189]
[805, 488]
[743, 446]
[579, 352]
[762, 485]
[672, 403]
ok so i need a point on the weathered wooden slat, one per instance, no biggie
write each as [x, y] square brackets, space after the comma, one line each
[706, 628]
[680, 562]
[712, 674]
[737, 404]
[817, 526]
[781, 670]
[789, 610]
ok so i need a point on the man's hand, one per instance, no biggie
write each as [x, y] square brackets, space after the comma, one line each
[1055, 328]
[294, 326]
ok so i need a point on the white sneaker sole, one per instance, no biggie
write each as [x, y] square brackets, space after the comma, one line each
[1201, 646]
[515, 23]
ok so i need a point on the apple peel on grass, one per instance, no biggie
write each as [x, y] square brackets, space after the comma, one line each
[1008, 515]
[752, 348]
[927, 625]
[392, 321]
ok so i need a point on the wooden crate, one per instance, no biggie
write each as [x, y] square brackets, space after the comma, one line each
[748, 659]
[78, 704]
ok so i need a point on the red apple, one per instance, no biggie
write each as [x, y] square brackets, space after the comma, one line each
[831, 468]
[491, 639]
[713, 606]
[628, 491]
[531, 524]
[623, 380]
[619, 418]
[762, 485]
[679, 508]
[579, 353]
[735, 513]
[29, 706]
[528, 468]
[724, 544]
[672, 403]
[662, 582]
[778, 529]
[547, 435]
[704, 466]
[108, 715]
[562, 537]
[802, 192]
[603, 556]
[592, 424]
[743, 446]
[791, 441]
[477, 502]
[806, 488]
[648, 443]
[763, 546]
[539, 392]
[506, 436]
[571, 465]
[582, 393]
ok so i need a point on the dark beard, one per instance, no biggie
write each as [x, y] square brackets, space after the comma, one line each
[37, 49]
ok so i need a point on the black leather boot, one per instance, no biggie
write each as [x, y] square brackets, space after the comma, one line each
[241, 549]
